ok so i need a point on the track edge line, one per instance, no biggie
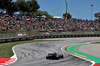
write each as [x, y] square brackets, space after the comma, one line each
[63, 49]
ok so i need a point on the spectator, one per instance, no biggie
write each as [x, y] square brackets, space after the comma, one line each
[28, 23]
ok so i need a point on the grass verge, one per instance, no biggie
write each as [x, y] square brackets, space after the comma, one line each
[6, 48]
[96, 42]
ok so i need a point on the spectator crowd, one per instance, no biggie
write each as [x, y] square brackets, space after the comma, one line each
[27, 23]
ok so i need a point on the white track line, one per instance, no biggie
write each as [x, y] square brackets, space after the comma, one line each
[63, 49]
[14, 56]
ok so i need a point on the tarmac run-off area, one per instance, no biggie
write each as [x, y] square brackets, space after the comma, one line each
[83, 51]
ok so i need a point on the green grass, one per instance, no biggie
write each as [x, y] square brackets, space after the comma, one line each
[6, 48]
[96, 43]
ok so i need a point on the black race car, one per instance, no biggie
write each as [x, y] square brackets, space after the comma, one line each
[54, 56]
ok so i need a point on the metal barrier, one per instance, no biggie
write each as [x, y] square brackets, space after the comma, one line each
[36, 33]
[66, 36]
[16, 39]
[45, 37]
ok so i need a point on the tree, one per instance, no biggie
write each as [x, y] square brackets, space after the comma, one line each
[37, 13]
[27, 7]
[40, 13]
[32, 6]
[4, 4]
[1, 4]
[68, 17]
[12, 8]
[46, 14]
[21, 5]
[8, 5]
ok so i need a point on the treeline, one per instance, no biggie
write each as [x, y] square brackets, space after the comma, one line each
[68, 16]
[29, 7]
[38, 13]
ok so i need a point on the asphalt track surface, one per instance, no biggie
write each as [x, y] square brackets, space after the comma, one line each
[34, 54]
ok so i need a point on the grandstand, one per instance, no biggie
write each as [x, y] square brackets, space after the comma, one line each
[11, 26]
[97, 15]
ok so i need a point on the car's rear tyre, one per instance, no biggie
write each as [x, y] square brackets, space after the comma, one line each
[62, 56]
[47, 58]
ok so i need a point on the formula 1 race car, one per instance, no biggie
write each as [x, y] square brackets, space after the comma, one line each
[54, 56]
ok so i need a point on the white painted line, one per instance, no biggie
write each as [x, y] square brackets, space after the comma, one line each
[92, 63]
[63, 49]
[14, 56]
